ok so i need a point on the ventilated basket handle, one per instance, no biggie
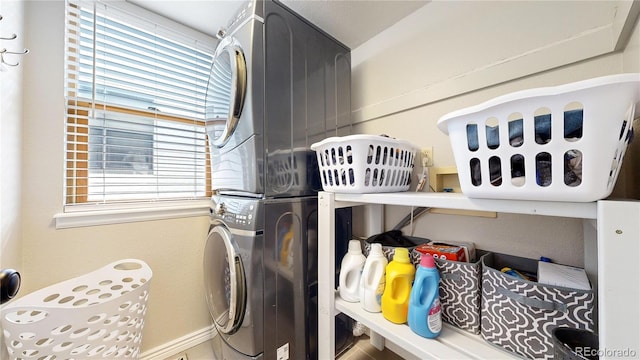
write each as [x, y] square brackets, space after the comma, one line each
[133, 267]
[540, 304]
[451, 276]
[26, 314]
[128, 265]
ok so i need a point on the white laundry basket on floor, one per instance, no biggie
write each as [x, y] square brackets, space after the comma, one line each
[97, 315]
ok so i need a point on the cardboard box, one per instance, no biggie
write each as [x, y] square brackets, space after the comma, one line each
[443, 251]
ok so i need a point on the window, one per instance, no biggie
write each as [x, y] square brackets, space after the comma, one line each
[135, 90]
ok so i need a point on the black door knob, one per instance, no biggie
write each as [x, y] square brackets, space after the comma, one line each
[9, 284]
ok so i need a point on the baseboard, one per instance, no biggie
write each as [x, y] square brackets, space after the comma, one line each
[180, 344]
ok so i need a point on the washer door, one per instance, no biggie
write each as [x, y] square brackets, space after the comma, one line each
[225, 282]
[226, 91]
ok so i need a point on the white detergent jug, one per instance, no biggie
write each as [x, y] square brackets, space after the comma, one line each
[372, 281]
[350, 272]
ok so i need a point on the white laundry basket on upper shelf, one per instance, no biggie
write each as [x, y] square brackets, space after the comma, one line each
[364, 164]
[97, 315]
[562, 143]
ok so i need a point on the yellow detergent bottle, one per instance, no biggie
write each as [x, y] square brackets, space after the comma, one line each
[399, 277]
[286, 247]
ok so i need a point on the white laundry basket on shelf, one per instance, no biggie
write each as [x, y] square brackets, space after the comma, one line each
[97, 315]
[563, 143]
[365, 164]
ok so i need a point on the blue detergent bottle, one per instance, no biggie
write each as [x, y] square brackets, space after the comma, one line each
[425, 312]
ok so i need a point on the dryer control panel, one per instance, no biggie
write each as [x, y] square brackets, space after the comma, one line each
[249, 9]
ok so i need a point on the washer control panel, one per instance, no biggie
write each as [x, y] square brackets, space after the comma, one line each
[237, 213]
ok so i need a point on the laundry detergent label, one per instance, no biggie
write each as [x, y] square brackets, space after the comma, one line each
[434, 319]
[380, 289]
[283, 352]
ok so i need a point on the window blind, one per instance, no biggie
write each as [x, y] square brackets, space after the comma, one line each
[135, 89]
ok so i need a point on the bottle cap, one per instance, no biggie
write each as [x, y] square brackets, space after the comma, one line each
[376, 249]
[354, 246]
[427, 261]
[401, 255]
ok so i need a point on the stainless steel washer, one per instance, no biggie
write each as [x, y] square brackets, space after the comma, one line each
[233, 274]
[260, 271]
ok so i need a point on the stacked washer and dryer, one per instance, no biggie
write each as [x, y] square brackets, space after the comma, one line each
[277, 85]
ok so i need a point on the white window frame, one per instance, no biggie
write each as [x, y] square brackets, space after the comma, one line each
[91, 214]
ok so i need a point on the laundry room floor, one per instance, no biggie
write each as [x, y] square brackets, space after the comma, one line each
[363, 350]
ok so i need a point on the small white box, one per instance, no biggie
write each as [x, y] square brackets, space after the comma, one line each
[562, 275]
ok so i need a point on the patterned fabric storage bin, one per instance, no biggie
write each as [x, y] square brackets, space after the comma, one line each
[520, 315]
[460, 291]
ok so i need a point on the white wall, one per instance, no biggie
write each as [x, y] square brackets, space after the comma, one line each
[172, 248]
[11, 141]
[11, 136]
[450, 55]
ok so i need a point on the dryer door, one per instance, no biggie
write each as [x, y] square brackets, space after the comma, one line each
[226, 91]
[225, 282]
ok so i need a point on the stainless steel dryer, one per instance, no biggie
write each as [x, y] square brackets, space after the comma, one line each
[260, 271]
[277, 85]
